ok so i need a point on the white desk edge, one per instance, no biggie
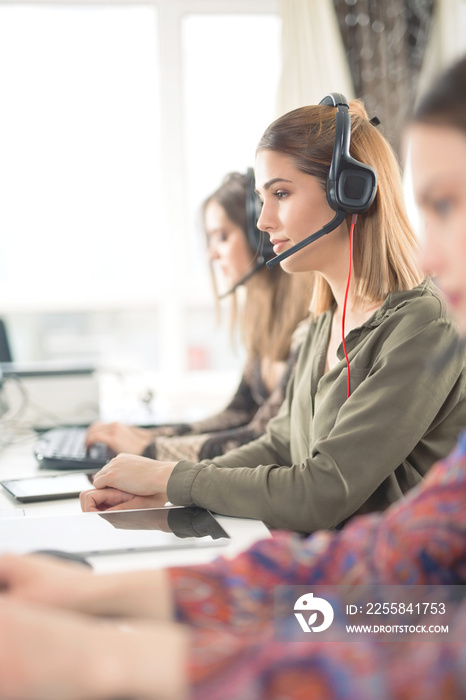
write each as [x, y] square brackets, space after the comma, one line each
[18, 461]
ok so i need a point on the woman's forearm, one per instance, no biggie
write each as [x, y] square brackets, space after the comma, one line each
[41, 579]
[144, 594]
[48, 653]
[153, 661]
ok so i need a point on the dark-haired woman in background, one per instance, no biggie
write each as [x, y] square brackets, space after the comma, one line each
[367, 410]
[273, 320]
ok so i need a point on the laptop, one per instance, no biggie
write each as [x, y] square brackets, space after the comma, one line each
[114, 532]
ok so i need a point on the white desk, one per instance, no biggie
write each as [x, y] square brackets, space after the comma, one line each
[18, 461]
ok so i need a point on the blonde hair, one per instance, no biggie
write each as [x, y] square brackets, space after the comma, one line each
[276, 302]
[385, 245]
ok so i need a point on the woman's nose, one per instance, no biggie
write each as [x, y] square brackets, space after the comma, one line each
[430, 255]
[265, 220]
[212, 251]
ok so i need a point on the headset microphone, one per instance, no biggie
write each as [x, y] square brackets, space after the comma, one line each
[351, 185]
[244, 279]
[338, 219]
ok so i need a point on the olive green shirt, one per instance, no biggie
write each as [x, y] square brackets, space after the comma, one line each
[326, 457]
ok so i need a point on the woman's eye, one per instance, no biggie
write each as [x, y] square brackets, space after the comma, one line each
[442, 207]
[281, 194]
[216, 238]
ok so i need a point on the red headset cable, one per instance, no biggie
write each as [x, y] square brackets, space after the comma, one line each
[354, 218]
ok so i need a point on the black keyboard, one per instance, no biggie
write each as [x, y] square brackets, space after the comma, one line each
[64, 448]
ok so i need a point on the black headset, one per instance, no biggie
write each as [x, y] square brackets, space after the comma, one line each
[258, 240]
[351, 185]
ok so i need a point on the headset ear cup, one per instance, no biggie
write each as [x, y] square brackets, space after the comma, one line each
[356, 188]
[351, 185]
[332, 195]
[259, 241]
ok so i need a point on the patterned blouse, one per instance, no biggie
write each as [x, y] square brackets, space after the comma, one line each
[228, 605]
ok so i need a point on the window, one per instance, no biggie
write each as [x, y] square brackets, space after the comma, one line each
[118, 118]
[229, 99]
[80, 166]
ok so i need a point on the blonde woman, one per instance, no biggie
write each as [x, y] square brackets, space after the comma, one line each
[368, 409]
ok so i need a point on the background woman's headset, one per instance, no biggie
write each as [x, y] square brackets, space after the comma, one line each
[258, 240]
[351, 185]
[260, 243]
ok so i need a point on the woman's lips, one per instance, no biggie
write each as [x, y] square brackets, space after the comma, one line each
[279, 246]
[454, 299]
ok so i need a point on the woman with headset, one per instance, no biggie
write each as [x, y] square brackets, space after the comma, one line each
[226, 648]
[273, 320]
[368, 409]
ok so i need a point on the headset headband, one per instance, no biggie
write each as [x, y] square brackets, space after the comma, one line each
[351, 185]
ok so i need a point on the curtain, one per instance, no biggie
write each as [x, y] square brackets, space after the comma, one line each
[385, 43]
[313, 56]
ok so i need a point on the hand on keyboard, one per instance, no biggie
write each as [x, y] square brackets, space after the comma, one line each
[65, 448]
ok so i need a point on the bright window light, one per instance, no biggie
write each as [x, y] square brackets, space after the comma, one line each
[230, 88]
[79, 138]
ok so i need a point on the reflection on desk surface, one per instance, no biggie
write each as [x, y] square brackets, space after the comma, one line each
[183, 522]
[114, 531]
